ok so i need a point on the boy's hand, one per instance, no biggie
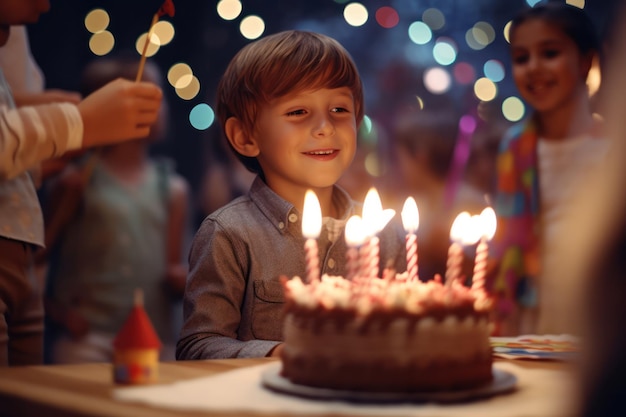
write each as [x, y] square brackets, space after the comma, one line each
[119, 111]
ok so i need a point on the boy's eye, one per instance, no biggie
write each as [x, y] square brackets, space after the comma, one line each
[339, 110]
[296, 112]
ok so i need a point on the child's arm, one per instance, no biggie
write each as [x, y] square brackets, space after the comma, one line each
[214, 298]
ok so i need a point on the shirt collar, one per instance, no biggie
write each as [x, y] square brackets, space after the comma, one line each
[281, 212]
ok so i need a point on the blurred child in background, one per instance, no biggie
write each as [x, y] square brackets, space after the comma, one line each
[425, 143]
[541, 160]
[116, 222]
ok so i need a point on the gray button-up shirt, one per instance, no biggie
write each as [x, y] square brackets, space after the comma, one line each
[233, 303]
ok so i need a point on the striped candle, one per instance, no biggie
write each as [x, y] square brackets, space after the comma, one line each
[410, 221]
[311, 227]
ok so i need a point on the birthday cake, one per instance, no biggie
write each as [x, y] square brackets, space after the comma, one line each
[385, 335]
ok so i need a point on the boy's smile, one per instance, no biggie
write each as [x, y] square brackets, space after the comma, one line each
[323, 155]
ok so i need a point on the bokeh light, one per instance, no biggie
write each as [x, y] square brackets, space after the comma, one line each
[164, 32]
[420, 102]
[201, 116]
[445, 51]
[494, 70]
[485, 89]
[506, 31]
[437, 80]
[484, 33]
[252, 27]
[578, 3]
[387, 17]
[97, 20]
[190, 90]
[372, 164]
[179, 75]
[184, 81]
[355, 14]
[471, 41]
[152, 47]
[513, 109]
[467, 124]
[464, 73]
[594, 78]
[434, 18]
[420, 33]
[480, 35]
[367, 124]
[229, 9]
[101, 43]
[531, 3]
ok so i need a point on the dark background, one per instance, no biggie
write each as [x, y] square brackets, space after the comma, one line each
[206, 42]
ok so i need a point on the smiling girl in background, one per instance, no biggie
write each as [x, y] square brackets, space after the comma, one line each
[540, 162]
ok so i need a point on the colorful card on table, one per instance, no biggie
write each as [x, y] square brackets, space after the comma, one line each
[546, 347]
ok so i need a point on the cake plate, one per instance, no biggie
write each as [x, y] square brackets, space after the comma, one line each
[503, 382]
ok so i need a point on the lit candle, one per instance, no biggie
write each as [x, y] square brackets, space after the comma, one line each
[372, 207]
[488, 223]
[354, 241]
[455, 252]
[311, 227]
[374, 220]
[410, 221]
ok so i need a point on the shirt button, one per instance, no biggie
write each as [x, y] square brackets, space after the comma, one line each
[331, 263]
[293, 217]
[281, 225]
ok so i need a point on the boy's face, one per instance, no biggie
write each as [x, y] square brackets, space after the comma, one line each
[19, 12]
[306, 140]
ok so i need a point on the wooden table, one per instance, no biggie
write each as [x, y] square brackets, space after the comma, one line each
[86, 389]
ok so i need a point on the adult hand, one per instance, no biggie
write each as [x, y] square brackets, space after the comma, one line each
[119, 111]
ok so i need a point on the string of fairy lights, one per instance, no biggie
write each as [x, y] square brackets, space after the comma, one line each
[425, 31]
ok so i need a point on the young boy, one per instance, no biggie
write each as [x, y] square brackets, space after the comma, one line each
[290, 105]
[119, 111]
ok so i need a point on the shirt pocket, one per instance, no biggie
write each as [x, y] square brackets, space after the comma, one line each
[267, 313]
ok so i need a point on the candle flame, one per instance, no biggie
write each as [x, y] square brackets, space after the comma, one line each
[410, 215]
[473, 231]
[460, 224]
[354, 232]
[372, 211]
[311, 216]
[488, 223]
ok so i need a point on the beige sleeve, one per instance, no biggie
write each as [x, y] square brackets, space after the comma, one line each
[29, 135]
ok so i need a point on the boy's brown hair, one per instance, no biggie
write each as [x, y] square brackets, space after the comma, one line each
[280, 64]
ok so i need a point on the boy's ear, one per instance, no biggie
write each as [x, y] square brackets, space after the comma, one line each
[239, 138]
